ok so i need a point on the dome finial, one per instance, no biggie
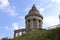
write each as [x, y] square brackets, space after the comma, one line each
[33, 7]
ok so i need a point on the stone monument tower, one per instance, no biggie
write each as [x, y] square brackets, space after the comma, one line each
[33, 19]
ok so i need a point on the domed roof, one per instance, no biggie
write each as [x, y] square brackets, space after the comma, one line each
[33, 12]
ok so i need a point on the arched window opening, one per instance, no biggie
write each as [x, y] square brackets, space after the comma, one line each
[34, 23]
[34, 19]
[39, 23]
[28, 23]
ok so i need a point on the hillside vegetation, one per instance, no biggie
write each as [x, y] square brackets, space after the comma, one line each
[53, 34]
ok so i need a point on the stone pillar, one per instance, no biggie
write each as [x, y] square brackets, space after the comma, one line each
[18, 34]
[27, 31]
[14, 34]
[31, 24]
[26, 24]
[34, 23]
[40, 24]
[22, 32]
[37, 23]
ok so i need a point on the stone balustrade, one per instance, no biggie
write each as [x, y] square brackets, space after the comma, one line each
[17, 32]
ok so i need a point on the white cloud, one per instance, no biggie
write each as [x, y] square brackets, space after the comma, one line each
[5, 6]
[38, 6]
[7, 28]
[27, 10]
[57, 1]
[11, 11]
[15, 26]
[50, 20]
[41, 10]
[4, 3]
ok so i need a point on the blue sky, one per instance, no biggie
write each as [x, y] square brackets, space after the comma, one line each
[12, 13]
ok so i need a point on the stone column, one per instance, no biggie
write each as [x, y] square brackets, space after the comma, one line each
[26, 31]
[37, 23]
[40, 24]
[31, 24]
[14, 34]
[22, 32]
[18, 34]
[26, 24]
[34, 23]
